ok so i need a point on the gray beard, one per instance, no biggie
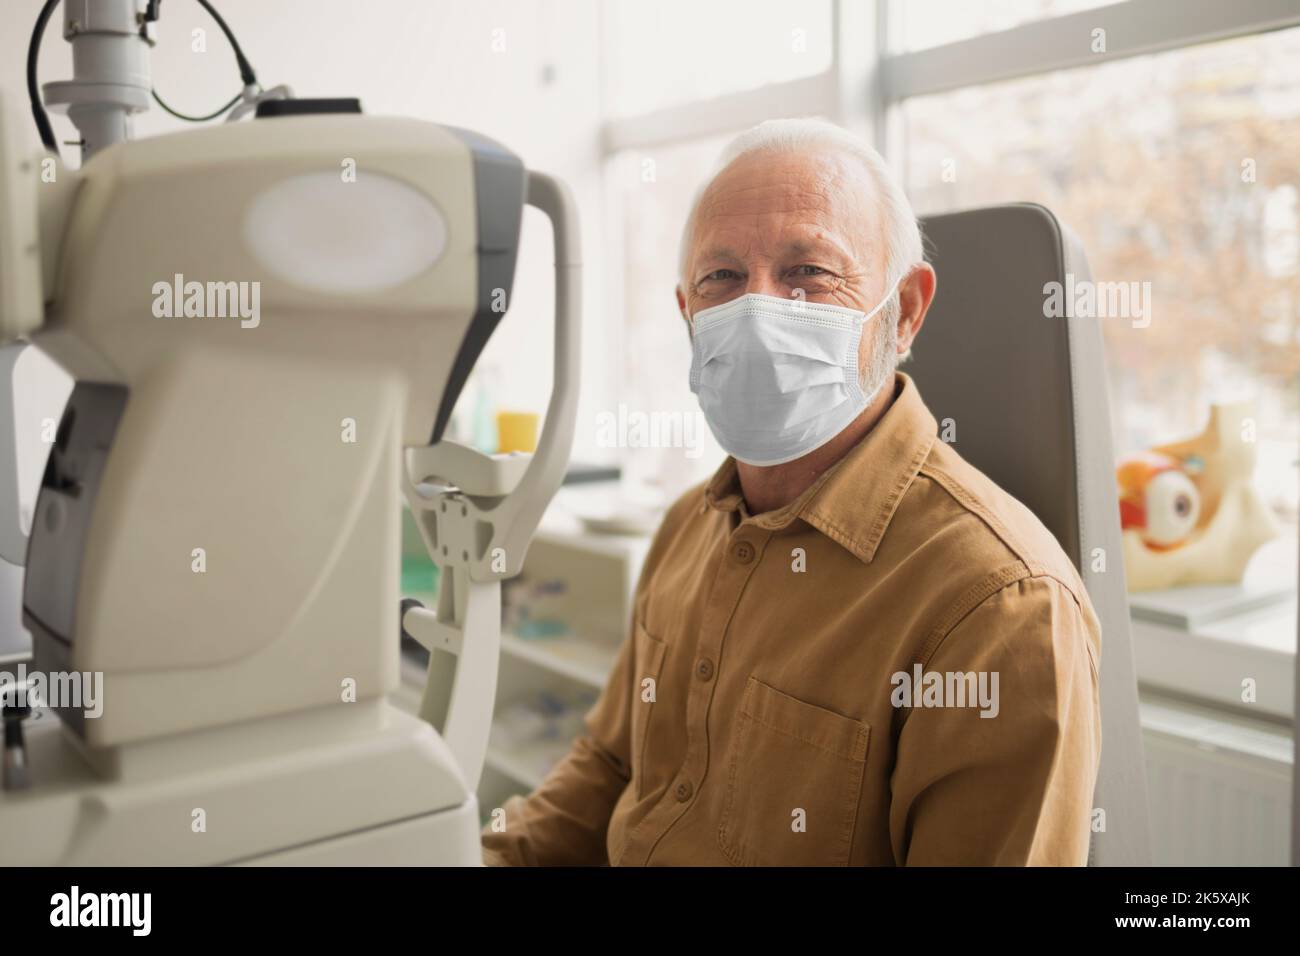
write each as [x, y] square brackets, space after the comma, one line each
[883, 359]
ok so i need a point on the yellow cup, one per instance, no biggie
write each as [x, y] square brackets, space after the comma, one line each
[516, 431]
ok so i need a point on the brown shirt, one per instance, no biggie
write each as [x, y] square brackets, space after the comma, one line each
[898, 667]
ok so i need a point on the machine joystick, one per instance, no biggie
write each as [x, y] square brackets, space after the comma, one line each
[15, 758]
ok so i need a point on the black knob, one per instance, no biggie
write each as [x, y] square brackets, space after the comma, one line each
[15, 755]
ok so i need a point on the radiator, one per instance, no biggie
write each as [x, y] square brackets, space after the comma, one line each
[1219, 787]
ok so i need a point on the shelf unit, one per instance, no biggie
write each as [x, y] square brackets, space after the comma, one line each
[1208, 661]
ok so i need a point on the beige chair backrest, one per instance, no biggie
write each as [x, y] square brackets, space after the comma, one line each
[1028, 395]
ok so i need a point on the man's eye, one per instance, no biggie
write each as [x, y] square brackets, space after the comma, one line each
[721, 275]
[810, 271]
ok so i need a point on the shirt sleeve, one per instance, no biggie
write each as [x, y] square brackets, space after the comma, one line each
[564, 821]
[1013, 788]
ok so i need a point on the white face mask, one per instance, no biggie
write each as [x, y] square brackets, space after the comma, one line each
[777, 378]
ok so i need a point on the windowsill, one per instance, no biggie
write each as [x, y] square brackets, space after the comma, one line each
[1209, 662]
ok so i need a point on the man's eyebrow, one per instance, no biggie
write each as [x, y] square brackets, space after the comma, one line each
[795, 247]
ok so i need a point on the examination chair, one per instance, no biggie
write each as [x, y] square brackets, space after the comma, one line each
[1028, 398]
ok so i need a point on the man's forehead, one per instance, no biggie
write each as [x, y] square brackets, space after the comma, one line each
[815, 199]
[748, 188]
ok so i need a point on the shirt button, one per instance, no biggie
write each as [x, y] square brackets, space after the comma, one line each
[743, 552]
[684, 791]
[704, 669]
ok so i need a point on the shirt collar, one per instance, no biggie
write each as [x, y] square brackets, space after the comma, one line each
[853, 501]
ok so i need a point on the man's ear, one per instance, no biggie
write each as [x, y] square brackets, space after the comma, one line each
[915, 293]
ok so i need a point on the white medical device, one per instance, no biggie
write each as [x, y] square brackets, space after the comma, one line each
[268, 323]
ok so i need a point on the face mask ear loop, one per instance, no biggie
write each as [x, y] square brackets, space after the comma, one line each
[867, 318]
[888, 295]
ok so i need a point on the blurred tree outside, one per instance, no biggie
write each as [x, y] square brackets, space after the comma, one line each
[1180, 169]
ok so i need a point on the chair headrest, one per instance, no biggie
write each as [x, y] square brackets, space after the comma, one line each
[993, 367]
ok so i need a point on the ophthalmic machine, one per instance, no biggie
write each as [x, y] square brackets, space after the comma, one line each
[267, 321]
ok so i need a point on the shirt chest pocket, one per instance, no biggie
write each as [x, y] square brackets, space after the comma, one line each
[794, 779]
[649, 663]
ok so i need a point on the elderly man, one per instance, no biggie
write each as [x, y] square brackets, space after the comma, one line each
[849, 646]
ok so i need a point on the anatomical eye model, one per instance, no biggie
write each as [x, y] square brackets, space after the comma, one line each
[1188, 512]
[1158, 498]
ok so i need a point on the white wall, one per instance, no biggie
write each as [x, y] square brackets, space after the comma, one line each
[525, 72]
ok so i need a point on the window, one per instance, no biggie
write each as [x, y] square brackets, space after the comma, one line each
[673, 52]
[653, 190]
[1180, 169]
[921, 24]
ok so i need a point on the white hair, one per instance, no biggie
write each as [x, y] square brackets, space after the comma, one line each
[903, 247]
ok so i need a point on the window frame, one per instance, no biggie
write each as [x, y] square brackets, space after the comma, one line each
[866, 79]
